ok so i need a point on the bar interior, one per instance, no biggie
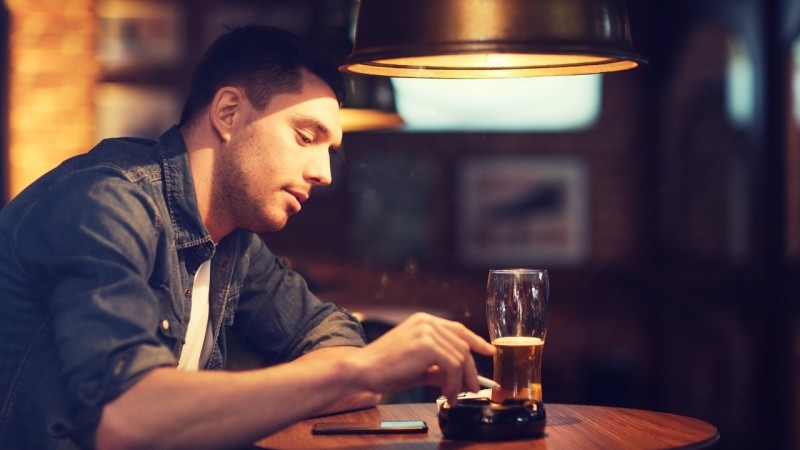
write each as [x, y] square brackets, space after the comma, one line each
[663, 200]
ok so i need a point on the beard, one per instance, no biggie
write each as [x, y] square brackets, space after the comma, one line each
[242, 193]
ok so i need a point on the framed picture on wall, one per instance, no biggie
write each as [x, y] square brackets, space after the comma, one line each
[139, 34]
[522, 210]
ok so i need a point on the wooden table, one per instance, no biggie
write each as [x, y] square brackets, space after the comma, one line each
[568, 427]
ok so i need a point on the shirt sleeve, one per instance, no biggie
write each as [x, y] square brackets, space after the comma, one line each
[280, 318]
[90, 244]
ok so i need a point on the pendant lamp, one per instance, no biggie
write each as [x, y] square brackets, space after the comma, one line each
[491, 38]
[369, 105]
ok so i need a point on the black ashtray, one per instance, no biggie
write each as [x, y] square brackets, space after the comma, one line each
[483, 420]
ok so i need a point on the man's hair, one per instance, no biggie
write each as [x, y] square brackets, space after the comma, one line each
[263, 61]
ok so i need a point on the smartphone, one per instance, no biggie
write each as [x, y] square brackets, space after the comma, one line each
[375, 427]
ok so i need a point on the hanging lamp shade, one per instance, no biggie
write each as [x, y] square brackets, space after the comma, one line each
[491, 38]
[369, 104]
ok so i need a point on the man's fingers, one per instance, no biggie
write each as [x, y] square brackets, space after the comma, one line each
[475, 342]
[464, 340]
[451, 353]
[466, 363]
[440, 349]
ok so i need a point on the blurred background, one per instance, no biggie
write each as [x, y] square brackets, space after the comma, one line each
[665, 200]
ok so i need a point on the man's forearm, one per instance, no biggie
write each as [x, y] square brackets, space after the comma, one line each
[357, 400]
[214, 409]
[210, 409]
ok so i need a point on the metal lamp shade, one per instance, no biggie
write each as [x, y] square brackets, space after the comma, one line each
[369, 104]
[491, 38]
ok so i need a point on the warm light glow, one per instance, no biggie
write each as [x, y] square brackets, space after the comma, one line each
[493, 65]
[363, 119]
[492, 60]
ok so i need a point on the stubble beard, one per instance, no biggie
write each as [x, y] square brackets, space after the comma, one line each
[235, 192]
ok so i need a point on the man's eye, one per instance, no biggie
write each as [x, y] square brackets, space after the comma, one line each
[305, 138]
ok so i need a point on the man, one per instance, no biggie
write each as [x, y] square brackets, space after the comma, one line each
[123, 267]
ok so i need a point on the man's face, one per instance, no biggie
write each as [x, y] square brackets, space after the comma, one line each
[276, 156]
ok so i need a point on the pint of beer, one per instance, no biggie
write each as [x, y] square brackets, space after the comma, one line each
[518, 368]
[517, 309]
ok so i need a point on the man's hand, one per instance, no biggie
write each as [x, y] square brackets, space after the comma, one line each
[423, 350]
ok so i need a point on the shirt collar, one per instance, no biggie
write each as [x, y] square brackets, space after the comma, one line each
[180, 193]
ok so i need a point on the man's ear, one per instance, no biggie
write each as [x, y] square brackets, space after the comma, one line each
[225, 110]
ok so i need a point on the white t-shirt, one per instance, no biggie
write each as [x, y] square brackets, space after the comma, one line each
[196, 350]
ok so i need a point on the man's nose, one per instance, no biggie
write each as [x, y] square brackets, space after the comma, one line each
[318, 169]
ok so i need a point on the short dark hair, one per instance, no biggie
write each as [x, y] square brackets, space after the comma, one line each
[263, 61]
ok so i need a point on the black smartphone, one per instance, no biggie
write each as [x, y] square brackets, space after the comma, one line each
[376, 427]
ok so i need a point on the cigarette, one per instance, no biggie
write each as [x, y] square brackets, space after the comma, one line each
[487, 383]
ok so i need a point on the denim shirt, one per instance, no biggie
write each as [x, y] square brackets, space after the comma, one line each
[98, 258]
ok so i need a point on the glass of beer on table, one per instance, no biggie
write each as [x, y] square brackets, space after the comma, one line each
[518, 309]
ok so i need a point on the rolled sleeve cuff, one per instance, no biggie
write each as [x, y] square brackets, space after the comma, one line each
[338, 329]
[124, 369]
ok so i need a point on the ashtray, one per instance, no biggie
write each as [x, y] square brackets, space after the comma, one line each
[483, 420]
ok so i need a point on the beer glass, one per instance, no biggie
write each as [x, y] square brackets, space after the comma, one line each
[517, 309]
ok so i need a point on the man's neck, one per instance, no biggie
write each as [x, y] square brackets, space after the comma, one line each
[201, 163]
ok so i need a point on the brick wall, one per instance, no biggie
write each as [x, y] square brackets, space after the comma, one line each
[51, 83]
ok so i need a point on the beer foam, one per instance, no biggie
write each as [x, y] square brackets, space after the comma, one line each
[518, 340]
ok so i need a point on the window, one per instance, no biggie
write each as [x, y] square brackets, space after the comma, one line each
[512, 104]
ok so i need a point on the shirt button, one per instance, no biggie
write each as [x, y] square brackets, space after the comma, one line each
[165, 324]
[187, 292]
[225, 263]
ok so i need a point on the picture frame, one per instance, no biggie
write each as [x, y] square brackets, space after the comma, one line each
[139, 35]
[522, 210]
